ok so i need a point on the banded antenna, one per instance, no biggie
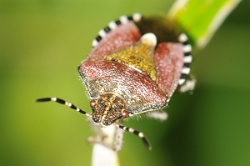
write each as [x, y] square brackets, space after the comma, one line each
[72, 106]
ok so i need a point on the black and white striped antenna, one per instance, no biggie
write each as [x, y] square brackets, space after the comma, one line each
[72, 106]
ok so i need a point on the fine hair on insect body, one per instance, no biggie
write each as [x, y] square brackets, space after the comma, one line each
[135, 66]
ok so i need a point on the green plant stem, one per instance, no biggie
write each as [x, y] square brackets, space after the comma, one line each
[201, 19]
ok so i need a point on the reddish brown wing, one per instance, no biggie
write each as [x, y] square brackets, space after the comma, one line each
[122, 36]
[168, 59]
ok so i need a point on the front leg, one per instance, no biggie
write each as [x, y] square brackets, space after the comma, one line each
[187, 86]
[159, 115]
[110, 136]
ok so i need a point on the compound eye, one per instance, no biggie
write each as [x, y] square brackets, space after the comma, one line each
[125, 113]
[92, 103]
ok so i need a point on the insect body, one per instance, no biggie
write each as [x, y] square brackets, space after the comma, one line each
[135, 66]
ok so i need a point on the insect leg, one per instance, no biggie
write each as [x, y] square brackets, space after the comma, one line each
[118, 139]
[159, 115]
[187, 86]
[110, 136]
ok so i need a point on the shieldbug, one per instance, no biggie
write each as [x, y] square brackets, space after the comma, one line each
[135, 66]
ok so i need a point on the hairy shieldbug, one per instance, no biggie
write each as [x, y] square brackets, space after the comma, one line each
[135, 66]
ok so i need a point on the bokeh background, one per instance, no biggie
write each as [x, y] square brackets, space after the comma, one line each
[43, 41]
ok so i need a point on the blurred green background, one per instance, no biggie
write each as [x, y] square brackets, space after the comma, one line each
[43, 41]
